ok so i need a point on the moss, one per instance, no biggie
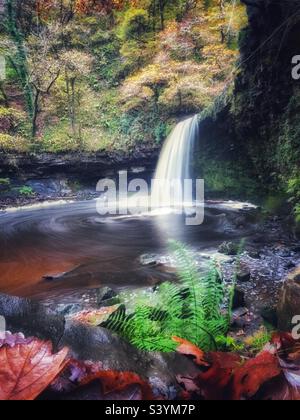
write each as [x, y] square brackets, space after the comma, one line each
[226, 178]
[293, 190]
[274, 203]
[25, 191]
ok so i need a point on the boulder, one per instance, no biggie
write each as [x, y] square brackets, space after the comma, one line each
[105, 296]
[99, 344]
[289, 301]
[269, 314]
[238, 298]
[68, 309]
[244, 274]
[31, 318]
[96, 344]
[229, 248]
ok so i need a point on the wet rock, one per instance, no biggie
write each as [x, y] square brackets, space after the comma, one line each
[269, 314]
[238, 298]
[244, 274]
[259, 239]
[254, 254]
[30, 318]
[105, 294]
[99, 344]
[289, 302]
[284, 253]
[239, 317]
[70, 309]
[229, 248]
[289, 265]
[149, 260]
[96, 344]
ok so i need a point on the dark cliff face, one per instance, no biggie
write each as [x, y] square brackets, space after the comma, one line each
[255, 127]
[81, 165]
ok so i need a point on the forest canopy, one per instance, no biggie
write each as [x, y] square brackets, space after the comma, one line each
[110, 74]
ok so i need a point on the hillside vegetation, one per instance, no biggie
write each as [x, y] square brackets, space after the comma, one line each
[106, 75]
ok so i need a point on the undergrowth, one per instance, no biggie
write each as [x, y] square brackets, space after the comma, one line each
[197, 308]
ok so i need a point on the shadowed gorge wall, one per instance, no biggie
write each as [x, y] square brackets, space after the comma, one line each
[253, 129]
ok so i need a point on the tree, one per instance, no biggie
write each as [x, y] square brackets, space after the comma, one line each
[135, 25]
[19, 59]
[44, 68]
[76, 65]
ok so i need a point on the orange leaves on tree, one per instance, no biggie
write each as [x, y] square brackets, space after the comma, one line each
[43, 7]
[81, 7]
[27, 369]
[100, 6]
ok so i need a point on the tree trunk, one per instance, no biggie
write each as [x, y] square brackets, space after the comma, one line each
[73, 106]
[35, 113]
[162, 14]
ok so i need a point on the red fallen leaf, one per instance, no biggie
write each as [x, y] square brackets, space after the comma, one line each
[217, 370]
[112, 382]
[27, 369]
[87, 380]
[218, 377]
[187, 348]
[248, 379]
[287, 385]
[273, 374]
[94, 392]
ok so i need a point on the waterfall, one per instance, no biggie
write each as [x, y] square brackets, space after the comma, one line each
[174, 165]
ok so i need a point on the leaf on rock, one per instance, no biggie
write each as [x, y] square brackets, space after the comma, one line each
[95, 317]
[217, 367]
[116, 382]
[188, 349]
[249, 378]
[272, 374]
[86, 380]
[27, 369]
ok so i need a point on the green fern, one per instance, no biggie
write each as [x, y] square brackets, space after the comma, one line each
[197, 309]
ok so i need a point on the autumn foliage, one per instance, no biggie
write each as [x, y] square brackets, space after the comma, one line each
[29, 369]
[82, 7]
[273, 375]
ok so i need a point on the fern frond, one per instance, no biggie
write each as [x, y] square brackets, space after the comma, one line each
[192, 310]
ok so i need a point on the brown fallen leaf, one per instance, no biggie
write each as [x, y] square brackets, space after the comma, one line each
[115, 382]
[272, 374]
[95, 317]
[249, 378]
[88, 380]
[26, 370]
[189, 349]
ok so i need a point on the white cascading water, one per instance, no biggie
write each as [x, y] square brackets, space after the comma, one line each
[175, 162]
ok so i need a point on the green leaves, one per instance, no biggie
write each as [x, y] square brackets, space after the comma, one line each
[192, 310]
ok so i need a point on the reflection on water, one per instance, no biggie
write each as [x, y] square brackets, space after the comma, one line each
[47, 241]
